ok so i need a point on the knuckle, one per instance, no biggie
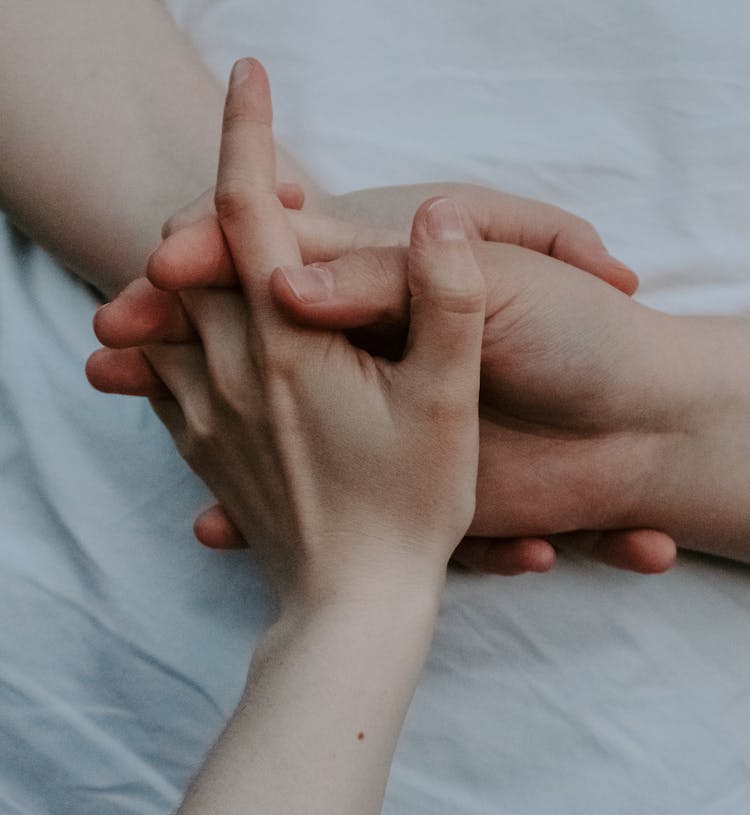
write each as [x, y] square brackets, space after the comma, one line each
[280, 365]
[233, 392]
[232, 199]
[448, 407]
[277, 361]
[467, 301]
[369, 264]
[237, 116]
[201, 435]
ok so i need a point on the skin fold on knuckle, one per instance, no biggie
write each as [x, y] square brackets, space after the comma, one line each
[237, 115]
[277, 360]
[201, 433]
[450, 410]
[237, 197]
[465, 301]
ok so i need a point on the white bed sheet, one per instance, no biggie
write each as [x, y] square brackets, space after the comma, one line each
[124, 645]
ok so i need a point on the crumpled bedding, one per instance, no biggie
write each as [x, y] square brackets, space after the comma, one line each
[124, 645]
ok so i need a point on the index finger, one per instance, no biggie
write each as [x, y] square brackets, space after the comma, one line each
[252, 218]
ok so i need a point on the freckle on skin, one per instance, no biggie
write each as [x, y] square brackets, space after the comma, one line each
[360, 736]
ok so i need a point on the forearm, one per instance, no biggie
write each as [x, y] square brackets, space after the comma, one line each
[110, 123]
[325, 700]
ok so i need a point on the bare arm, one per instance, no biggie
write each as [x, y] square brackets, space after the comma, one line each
[325, 700]
[110, 121]
[354, 539]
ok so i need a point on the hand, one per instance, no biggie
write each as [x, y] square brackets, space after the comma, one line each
[194, 253]
[196, 257]
[368, 483]
[345, 438]
[596, 412]
[543, 337]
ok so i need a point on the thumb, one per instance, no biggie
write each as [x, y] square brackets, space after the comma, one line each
[362, 288]
[447, 302]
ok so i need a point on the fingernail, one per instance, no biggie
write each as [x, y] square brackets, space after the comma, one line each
[240, 72]
[443, 221]
[311, 284]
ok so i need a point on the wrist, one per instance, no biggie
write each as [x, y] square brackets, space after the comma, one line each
[698, 491]
[371, 591]
[371, 625]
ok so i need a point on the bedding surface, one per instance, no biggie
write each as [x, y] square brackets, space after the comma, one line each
[124, 644]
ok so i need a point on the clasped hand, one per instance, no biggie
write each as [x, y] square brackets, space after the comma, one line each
[561, 447]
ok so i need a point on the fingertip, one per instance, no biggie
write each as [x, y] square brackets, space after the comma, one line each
[248, 84]
[99, 322]
[437, 219]
[440, 257]
[125, 372]
[287, 297]
[215, 530]
[196, 256]
[100, 371]
[540, 555]
[352, 293]
[292, 196]
[307, 285]
[111, 327]
[507, 557]
[92, 368]
[623, 277]
[644, 551]
[159, 266]
[530, 555]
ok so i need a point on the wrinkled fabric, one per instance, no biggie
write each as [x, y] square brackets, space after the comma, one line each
[124, 645]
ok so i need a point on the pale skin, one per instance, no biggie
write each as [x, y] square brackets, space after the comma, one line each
[101, 141]
[597, 412]
[354, 538]
[92, 180]
[74, 241]
[355, 541]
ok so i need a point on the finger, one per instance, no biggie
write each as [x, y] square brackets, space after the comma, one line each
[291, 196]
[221, 319]
[364, 287]
[142, 314]
[171, 416]
[322, 237]
[182, 368]
[447, 303]
[198, 209]
[252, 219]
[125, 371]
[548, 229]
[505, 556]
[214, 529]
[197, 255]
[645, 551]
